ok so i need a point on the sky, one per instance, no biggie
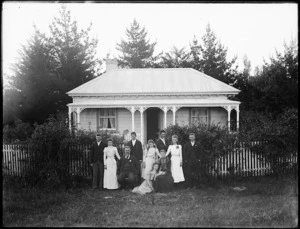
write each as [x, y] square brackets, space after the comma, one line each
[255, 30]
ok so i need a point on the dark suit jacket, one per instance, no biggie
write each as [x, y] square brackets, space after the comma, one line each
[160, 145]
[190, 153]
[136, 150]
[133, 164]
[97, 152]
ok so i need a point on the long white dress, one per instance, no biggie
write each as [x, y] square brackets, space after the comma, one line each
[110, 180]
[146, 186]
[176, 159]
[149, 159]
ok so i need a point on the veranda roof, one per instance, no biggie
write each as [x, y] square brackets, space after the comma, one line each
[153, 81]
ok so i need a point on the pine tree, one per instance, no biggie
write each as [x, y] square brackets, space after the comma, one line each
[247, 67]
[276, 85]
[137, 51]
[73, 53]
[176, 58]
[32, 92]
[211, 57]
[50, 66]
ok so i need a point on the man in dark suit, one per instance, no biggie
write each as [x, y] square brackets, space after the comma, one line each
[136, 150]
[96, 160]
[191, 164]
[161, 143]
[128, 168]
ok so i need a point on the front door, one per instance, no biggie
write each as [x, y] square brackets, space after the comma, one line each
[152, 123]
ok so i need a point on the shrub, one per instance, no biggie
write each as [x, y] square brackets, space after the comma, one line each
[214, 141]
[18, 131]
[279, 137]
[50, 146]
[88, 137]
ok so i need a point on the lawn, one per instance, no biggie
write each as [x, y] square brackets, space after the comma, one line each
[266, 202]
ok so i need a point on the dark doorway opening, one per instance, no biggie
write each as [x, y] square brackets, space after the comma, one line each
[152, 123]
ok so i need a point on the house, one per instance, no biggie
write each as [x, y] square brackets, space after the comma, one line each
[147, 100]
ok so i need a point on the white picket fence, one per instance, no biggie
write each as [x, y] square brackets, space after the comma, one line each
[240, 161]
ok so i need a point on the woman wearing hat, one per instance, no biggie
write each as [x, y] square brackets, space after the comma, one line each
[110, 166]
[151, 155]
[176, 160]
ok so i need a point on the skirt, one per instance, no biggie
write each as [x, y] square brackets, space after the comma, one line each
[176, 169]
[145, 187]
[149, 165]
[110, 180]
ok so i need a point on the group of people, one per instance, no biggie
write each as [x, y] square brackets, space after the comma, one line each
[155, 167]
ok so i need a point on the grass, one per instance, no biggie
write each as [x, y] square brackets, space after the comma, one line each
[266, 202]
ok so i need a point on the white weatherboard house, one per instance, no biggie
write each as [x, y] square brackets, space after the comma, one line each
[147, 100]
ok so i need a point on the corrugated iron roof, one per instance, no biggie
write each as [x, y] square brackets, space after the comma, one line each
[153, 81]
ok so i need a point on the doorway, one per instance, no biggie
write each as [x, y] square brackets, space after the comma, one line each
[152, 123]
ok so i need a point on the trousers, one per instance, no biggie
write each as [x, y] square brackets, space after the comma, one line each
[98, 171]
[131, 178]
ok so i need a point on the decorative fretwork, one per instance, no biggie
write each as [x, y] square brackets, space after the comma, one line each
[175, 108]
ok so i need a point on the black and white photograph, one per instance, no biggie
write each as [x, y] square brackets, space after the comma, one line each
[150, 114]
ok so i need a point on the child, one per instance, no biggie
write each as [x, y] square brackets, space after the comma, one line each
[150, 155]
[146, 186]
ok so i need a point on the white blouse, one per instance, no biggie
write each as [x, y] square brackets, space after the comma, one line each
[175, 150]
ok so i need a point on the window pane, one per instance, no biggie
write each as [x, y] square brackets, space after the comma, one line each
[111, 112]
[203, 119]
[195, 120]
[101, 123]
[202, 111]
[193, 112]
[113, 123]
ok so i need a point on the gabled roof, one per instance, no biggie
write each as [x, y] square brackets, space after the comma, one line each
[153, 81]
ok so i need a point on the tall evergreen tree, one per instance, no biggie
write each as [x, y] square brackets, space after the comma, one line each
[136, 51]
[276, 85]
[50, 66]
[32, 92]
[210, 57]
[176, 58]
[247, 67]
[73, 54]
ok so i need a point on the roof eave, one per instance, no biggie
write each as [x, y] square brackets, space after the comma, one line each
[156, 93]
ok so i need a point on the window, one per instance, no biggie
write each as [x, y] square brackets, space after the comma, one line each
[107, 119]
[199, 115]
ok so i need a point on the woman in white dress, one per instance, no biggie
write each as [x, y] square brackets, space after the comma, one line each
[176, 160]
[110, 166]
[150, 155]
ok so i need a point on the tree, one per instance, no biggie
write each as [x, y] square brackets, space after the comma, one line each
[48, 67]
[32, 91]
[72, 53]
[247, 66]
[137, 51]
[242, 83]
[176, 58]
[211, 58]
[276, 85]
